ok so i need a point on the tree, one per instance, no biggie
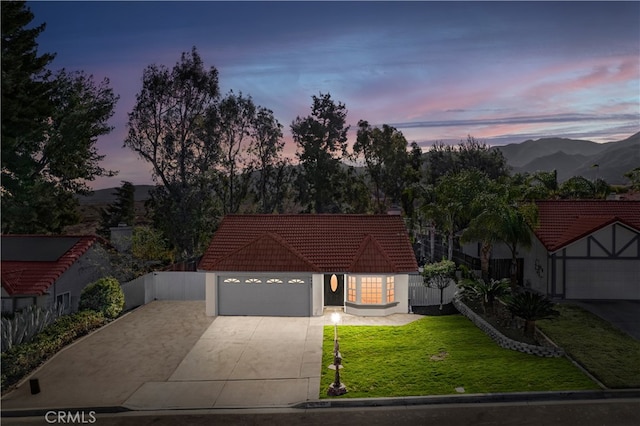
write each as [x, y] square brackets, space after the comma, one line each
[578, 187]
[273, 170]
[173, 126]
[121, 211]
[237, 115]
[541, 185]
[634, 178]
[439, 275]
[50, 125]
[467, 155]
[451, 201]
[322, 141]
[385, 155]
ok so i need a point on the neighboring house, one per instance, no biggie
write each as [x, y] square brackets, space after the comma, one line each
[583, 250]
[45, 270]
[295, 265]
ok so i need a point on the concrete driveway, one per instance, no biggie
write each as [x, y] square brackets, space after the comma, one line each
[169, 354]
[623, 314]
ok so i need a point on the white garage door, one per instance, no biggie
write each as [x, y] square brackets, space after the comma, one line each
[603, 279]
[264, 295]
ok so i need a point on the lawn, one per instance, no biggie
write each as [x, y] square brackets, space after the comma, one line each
[610, 355]
[436, 355]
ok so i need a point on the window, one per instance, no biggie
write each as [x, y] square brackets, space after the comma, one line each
[253, 281]
[351, 289]
[371, 290]
[296, 281]
[232, 280]
[390, 290]
[274, 281]
[64, 300]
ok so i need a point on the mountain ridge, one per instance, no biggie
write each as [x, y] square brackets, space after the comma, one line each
[575, 157]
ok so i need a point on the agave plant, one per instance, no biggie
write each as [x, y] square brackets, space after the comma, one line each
[26, 324]
[531, 307]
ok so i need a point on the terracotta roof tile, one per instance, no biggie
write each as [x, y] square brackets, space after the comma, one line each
[328, 243]
[27, 277]
[562, 222]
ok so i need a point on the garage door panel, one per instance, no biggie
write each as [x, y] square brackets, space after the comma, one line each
[262, 299]
[603, 279]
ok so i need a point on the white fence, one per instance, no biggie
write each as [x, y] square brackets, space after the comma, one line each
[164, 286]
[421, 295]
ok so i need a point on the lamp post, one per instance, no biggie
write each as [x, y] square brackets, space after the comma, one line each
[336, 388]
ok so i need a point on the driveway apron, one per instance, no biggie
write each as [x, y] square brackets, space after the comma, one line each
[243, 362]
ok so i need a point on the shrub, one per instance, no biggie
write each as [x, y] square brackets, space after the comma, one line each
[21, 359]
[487, 292]
[531, 307]
[104, 295]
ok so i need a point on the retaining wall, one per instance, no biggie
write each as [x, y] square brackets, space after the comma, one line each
[502, 340]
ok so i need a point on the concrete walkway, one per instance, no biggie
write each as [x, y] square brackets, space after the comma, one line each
[168, 354]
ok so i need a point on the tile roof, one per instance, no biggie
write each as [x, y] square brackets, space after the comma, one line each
[310, 243]
[21, 275]
[562, 222]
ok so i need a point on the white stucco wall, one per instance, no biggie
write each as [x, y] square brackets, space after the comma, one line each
[317, 295]
[401, 290]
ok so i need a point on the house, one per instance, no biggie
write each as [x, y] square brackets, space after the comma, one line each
[45, 270]
[581, 250]
[296, 265]
[586, 250]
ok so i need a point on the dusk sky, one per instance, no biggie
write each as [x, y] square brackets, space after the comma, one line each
[502, 72]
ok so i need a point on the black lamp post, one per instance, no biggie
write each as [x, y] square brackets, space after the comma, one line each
[336, 388]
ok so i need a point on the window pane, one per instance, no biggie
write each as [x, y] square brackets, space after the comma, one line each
[351, 289]
[391, 291]
[371, 290]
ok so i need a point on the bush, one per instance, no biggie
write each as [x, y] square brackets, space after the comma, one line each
[531, 307]
[20, 360]
[104, 295]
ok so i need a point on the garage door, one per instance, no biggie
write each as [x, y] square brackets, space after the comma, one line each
[603, 279]
[264, 295]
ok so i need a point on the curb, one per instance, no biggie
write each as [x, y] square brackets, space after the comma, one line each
[488, 398]
[473, 399]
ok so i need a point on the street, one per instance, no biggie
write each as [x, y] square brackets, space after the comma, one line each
[614, 412]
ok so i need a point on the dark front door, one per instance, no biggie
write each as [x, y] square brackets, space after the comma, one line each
[334, 290]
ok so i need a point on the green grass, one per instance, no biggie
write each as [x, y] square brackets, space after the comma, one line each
[434, 356]
[610, 355]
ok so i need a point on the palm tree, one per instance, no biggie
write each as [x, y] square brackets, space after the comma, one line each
[499, 217]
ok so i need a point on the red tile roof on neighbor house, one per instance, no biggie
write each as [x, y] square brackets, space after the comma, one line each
[310, 243]
[32, 263]
[562, 222]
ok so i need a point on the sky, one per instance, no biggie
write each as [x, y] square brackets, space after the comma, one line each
[503, 72]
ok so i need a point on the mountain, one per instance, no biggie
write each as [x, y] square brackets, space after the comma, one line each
[108, 196]
[519, 154]
[572, 157]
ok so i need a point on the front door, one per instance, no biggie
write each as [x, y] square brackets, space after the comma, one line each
[334, 290]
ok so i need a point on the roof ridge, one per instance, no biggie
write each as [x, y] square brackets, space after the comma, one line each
[367, 241]
[274, 237]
